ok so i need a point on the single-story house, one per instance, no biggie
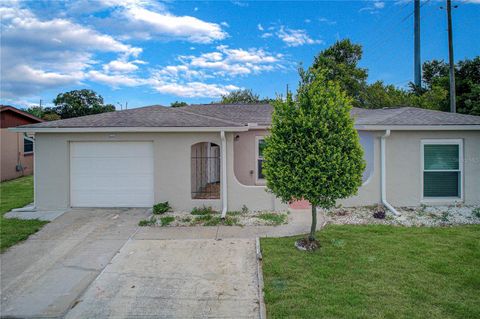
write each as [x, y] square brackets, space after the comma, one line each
[212, 155]
[16, 154]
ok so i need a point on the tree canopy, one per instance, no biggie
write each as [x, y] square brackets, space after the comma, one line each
[245, 96]
[340, 63]
[79, 103]
[313, 151]
[178, 104]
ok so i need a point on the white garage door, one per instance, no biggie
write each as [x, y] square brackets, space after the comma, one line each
[111, 174]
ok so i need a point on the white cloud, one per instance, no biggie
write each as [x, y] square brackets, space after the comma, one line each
[260, 27]
[295, 37]
[326, 21]
[141, 19]
[43, 54]
[193, 89]
[230, 62]
[374, 6]
[121, 66]
[114, 80]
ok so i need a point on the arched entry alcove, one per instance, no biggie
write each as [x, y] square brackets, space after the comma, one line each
[205, 171]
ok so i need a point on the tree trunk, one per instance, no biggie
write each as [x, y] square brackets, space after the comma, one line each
[311, 237]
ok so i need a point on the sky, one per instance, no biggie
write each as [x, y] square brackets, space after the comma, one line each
[157, 52]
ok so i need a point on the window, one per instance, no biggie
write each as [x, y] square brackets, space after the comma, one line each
[260, 146]
[27, 146]
[442, 168]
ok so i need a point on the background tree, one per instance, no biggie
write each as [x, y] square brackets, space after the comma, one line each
[245, 96]
[340, 63]
[45, 113]
[178, 104]
[313, 151]
[79, 103]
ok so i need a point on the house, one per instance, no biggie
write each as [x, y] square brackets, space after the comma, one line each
[16, 148]
[212, 155]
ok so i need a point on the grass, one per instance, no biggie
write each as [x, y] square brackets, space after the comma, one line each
[14, 194]
[375, 271]
[273, 218]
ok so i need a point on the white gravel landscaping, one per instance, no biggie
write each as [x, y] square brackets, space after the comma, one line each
[213, 218]
[410, 216]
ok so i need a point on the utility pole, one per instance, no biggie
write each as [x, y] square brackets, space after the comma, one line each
[417, 61]
[453, 107]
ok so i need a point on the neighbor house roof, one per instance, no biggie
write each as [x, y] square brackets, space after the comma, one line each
[17, 112]
[242, 116]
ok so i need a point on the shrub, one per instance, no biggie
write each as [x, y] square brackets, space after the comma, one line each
[204, 210]
[148, 222]
[244, 209]
[476, 212]
[166, 220]
[161, 208]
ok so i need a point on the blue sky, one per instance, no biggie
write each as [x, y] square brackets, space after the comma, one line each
[145, 52]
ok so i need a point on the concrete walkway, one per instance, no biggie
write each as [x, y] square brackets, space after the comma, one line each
[99, 263]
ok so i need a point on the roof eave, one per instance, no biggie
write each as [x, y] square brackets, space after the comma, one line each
[448, 127]
[125, 129]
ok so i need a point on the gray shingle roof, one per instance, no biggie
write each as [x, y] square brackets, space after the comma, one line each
[220, 115]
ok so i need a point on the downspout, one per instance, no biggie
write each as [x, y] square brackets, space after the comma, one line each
[383, 171]
[224, 174]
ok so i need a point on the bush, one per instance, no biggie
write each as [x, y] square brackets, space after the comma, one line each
[204, 210]
[161, 208]
[273, 218]
[167, 220]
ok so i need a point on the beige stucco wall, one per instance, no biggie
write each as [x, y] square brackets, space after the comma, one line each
[172, 164]
[244, 156]
[404, 176]
[12, 154]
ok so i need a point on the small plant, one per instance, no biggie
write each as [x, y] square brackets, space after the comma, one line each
[273, 218]
[186, 219]
[244, 209]
[161, 208]
[234, 213]
[202, 218]
[204, 210]
[166, 220]
[213, 221]
[476, 212]
[148, 222]
[444, 217]
[379, 212]
[230, 221]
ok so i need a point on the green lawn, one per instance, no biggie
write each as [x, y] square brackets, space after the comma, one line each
[13, 194]
[375, 272]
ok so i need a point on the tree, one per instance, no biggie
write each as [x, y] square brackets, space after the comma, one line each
[245, 96]
[313, 151]
[46, 113]
[178, 104]
[340, 63]
[79, 103]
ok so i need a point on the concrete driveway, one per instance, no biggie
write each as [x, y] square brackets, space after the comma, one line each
[90, 264]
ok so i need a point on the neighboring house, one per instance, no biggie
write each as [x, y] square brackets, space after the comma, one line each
[16, 148]
[212, 155]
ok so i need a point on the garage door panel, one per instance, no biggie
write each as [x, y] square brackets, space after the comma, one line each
[118, 149]
[99, 182]
[141, 165]
[111, 174]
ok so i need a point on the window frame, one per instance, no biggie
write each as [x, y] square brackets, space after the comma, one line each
[458, 142]
[33, 146]
[257, 158]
